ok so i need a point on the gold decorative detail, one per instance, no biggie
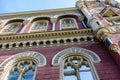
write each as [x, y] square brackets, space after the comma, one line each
[114, 47]
[102, 33]
[108, 11]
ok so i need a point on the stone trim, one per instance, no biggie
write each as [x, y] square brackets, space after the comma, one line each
[37, 57]
[56, 61]
[4, 37]
[48, 42]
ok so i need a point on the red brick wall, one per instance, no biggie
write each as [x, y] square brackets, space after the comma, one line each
[107, 68]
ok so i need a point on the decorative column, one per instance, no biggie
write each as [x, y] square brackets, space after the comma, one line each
[93, 22]
[104, 35]
[53, 20]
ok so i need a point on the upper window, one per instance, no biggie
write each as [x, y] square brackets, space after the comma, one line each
[12, 27]
[40, 25]
[68, 23]
[22, 70]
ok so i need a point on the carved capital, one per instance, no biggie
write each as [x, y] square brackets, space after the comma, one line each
[53, 20]
[103, 33]
[114, 47]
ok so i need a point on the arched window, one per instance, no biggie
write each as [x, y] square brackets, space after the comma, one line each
[68, 23]
[23, 70]
[22, 66]
[39, 25]
[12, 27]
[77, 68]
[76, 64]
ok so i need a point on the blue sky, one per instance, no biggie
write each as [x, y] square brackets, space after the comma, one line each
[8, 6]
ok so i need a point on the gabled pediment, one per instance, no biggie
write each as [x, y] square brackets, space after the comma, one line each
[108, 11]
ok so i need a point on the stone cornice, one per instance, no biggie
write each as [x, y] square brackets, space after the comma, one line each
[46, 39]
[42, 35]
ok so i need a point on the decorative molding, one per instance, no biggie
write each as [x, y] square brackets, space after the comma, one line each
[37, 57]
[114, 48]
[84, 39]
[74, 51]
[7, 37]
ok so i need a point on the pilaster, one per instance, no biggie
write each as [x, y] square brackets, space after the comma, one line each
[53, 20]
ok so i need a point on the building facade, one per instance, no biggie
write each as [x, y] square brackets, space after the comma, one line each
[77, 43]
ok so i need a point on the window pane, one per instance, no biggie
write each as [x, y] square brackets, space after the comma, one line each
[12, 78]
[15, 73]
[86, 76]
[29, 72]
[27, 67]
[12, 27]
[27, 78]
[68, 68]
[83, 67]
[73, 77]
[39, 25]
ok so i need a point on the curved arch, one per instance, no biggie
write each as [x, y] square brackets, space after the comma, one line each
[38, 57]
[70, 14]
[14, 19]
[39, 17]
[74, 51]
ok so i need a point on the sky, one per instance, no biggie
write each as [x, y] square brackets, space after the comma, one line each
[9, 6]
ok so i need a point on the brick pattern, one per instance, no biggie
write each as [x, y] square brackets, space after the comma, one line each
[107, 68]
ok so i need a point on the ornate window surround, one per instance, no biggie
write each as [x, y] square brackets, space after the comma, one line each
[8, 26]
[38, 58]
[91, 56]
[39, 30]
[70, 27]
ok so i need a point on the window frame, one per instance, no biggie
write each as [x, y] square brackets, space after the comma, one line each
[12, 65]
[92, 68]
[90, 55]
[39, 30]
[37, 57]
[61, 20]
[7, 26]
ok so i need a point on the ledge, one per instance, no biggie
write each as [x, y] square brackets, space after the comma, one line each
[28, 36]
